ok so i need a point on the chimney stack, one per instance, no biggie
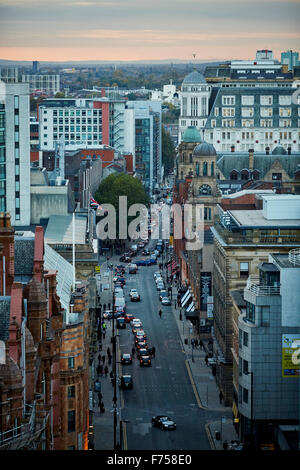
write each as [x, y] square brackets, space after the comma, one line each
[267, 150]
[251, 159]
[289, 150]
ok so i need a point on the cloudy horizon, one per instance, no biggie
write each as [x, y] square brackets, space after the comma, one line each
[70, 30]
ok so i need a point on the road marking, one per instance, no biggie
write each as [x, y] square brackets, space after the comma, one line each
[124, 437]
[193, 384]
[211, 441]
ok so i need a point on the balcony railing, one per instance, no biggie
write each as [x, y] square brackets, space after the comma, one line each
[294, 256]
[258, 289]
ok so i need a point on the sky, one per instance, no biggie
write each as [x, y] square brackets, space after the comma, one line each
[127, 30]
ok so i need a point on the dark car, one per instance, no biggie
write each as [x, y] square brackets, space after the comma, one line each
[142, 352]
[163, 293]
[121, 323]
[141, 335]
[126, 358]
[126, 382]
[163, 422]
[141, 345]
[140, 262]
[145, 361]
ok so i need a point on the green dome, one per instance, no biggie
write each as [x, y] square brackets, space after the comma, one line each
[279, 150]
[191, 134]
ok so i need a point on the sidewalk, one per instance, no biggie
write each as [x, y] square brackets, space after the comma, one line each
[205, 383]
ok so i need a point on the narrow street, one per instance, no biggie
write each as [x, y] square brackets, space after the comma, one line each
[163, 388]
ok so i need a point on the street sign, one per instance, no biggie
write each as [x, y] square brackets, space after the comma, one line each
[97, 269]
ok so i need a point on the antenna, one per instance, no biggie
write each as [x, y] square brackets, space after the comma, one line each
[194, 55]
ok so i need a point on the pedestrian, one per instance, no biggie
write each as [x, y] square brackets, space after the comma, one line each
[196, 343]
[106, 371]
[108, 305]
[98, 369]
[103, 335]
[133, 351]
[225, 445]
[201, 344]
[103, 359]
[153, 351]
[206, 359]
[99, 357]
[221, 396]
[108, 352]
[109, 359]
[193, 342]
[174, 303]
[104, 307]
[159, 313]
[103, 326]
[111, 377]
[102, 409]
[99, 397]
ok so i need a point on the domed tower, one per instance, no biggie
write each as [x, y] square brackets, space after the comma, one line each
[190, 139]
[204, 186]
[194, 100]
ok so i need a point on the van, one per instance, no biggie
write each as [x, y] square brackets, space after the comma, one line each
[121, 322]
[132, 268]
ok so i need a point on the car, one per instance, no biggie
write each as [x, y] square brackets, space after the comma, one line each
[141, 262]
[157, 274]
[135, 297]
[107, 314]
[137, 328]
[127, 259]
[160, 286]
[119, 290]
[132, 291]
[145, 361]
[152, 260]
[159, 280]
[122, 280]
[126, 358]
[166, 301]
[142, 352]
[132, 268]
[140, 336]
[140, 332]
[162, 293]
[126, 382]
[128, 317]
[163, 422]
[141, 345]
[134, 321]
[121, 323]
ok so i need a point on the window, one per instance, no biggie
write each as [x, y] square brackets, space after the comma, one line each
[216, 112]
[285, 123]
[247, 112]
[285, 112]
[71, 391]
[245, 367]
[266, 100]
[228, 100]
[266, 112]
[244, 269]
[285, 99]
[276, 176]
[240, 338]
[213, 123]
[207, 213]
[71, 421]
[250, 312]
[247, 122]
[16, 102]
[228, 123]
[245, 338]
[245, 395]
[266, 123]
[204, 169]
[247, 100]
[71, 362]
[228, 112]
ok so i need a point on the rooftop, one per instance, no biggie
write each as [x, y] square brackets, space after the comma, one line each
[255, 219]
[60, 229]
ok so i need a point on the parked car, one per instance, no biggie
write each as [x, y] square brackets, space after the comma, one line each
[163, 422]
[126, 382]
[121, 323]
[132, 291]
[166, 301]
[162, 293]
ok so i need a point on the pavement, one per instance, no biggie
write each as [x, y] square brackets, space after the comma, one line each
[202, 381]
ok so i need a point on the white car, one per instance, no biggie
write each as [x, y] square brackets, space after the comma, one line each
[135, 321]
[132, 291]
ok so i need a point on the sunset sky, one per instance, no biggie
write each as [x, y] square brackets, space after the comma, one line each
[63, 30]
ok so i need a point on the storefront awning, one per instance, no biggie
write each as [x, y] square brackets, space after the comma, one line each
[192, 315]
[186, 299]
[191, 307]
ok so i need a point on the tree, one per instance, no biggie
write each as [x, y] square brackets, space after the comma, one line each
[168, 150]
[60, 94]
[121, 184]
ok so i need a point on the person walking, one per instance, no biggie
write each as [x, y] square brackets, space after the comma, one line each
[133, 351]
[221, 396]
[206, 359]
[108, 352]
[99, 397]
[159, 313]
[201, 344]
[104, 307]
[103, 359]
[109, 359]
[99, 369]
[108, 305]
[111, 377]
[153, 351]
[106, 371]
[196, 343]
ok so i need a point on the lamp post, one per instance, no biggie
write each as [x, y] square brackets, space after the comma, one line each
[114, 366]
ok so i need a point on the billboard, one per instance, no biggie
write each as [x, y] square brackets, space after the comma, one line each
[290, 355]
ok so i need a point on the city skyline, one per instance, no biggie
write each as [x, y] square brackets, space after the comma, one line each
[70, 30]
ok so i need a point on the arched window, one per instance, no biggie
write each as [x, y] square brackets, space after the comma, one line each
[191, 158]
[204, 168]
[244, 174]
[197, 169]
[234, 175]
[255, 174]
[212, 169]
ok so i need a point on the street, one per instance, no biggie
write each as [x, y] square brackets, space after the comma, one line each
[163, 388]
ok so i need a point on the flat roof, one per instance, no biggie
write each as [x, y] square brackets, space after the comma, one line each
[284, 261]
[255, 218]
[60, 229]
